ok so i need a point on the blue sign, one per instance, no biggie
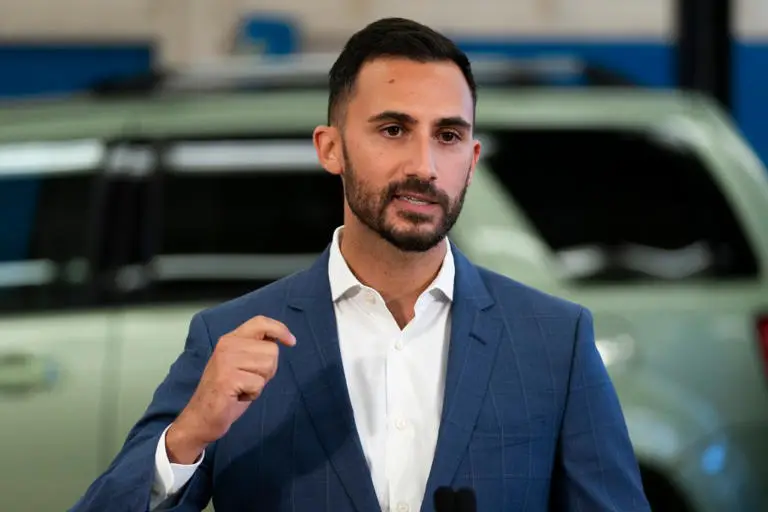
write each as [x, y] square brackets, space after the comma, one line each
[268, 35]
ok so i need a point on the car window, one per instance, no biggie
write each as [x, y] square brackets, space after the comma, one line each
[45, 192]
[236, 214]
[619, 205]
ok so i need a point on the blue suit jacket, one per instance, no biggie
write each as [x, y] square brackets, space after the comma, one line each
[531, 420]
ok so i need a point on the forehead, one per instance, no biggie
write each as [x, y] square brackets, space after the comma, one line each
[424, 90]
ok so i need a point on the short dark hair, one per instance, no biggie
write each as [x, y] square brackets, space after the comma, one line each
[390, 37]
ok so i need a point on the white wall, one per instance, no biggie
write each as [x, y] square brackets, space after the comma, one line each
[195, 28]
[752, 19]
[495, 17]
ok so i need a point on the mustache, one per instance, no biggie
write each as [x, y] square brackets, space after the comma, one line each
[417, 186]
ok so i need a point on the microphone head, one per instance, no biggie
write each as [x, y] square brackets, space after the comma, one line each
[466, 500]
[444, 500]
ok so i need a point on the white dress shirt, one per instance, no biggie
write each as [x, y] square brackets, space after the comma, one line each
[395, 380]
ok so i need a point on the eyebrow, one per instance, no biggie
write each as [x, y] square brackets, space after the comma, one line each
[403, 118]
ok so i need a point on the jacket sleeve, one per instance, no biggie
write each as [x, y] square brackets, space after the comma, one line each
[127, 483]
[596, 468]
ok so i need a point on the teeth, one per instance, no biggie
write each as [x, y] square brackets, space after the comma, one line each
[414, 200]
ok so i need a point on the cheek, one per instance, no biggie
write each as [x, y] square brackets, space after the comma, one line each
[376, 169]
[365, 154]
[454, 172]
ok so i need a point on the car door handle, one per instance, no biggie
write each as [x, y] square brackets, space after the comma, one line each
[22, 373]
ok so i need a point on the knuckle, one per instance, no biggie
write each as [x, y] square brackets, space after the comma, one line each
[255, 384]
[267, 369]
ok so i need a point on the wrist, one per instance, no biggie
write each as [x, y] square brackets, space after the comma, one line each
[181, 445]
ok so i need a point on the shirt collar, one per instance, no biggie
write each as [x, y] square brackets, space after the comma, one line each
[343, 281]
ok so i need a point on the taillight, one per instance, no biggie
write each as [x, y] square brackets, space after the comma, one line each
[762, 334]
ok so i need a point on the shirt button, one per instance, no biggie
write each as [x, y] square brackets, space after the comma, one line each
[403, 507]
[401, 424]
[371, 298]
[399, 345]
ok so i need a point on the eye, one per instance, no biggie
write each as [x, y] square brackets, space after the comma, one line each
[393, 131]
[449, 137]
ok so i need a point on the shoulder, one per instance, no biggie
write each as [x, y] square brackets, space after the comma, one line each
[549, 326]
[513, 295]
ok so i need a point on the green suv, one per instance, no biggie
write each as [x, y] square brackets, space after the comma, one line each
[123, 216]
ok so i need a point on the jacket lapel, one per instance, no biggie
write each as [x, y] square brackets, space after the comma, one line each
[317, 366]
[475, 334]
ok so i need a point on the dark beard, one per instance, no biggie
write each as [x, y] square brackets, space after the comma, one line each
[370, 207]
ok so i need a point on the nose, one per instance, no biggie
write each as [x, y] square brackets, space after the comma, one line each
[423, 165]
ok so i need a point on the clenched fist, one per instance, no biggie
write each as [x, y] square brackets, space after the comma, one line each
[241, 365]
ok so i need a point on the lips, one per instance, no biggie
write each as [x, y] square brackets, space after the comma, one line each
[418, 199]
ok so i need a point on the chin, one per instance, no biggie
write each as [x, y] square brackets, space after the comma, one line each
[413, 239]
[415, 221]
[408, 229]
[415, 245]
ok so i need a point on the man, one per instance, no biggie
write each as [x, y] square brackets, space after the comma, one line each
[393, 366]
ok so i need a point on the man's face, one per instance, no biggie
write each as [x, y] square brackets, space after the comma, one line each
[406, 151]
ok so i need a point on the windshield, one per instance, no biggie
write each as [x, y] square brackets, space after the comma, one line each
[618, 205]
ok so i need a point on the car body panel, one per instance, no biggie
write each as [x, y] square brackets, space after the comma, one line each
[152, 339]
[53, 421]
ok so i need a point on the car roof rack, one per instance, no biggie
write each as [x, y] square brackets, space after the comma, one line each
[310, 71]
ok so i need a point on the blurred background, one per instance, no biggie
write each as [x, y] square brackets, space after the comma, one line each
[155, 158]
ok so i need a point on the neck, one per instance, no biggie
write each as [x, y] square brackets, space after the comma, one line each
[399, 276]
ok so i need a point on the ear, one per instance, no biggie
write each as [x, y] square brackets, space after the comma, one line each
[327, 140]
[476, 147]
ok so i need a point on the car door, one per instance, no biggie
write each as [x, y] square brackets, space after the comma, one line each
[53, 339]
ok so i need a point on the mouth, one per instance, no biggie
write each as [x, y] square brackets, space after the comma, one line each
[415, 199]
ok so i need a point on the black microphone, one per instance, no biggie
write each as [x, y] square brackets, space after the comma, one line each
[444, 500]
[466, 500]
